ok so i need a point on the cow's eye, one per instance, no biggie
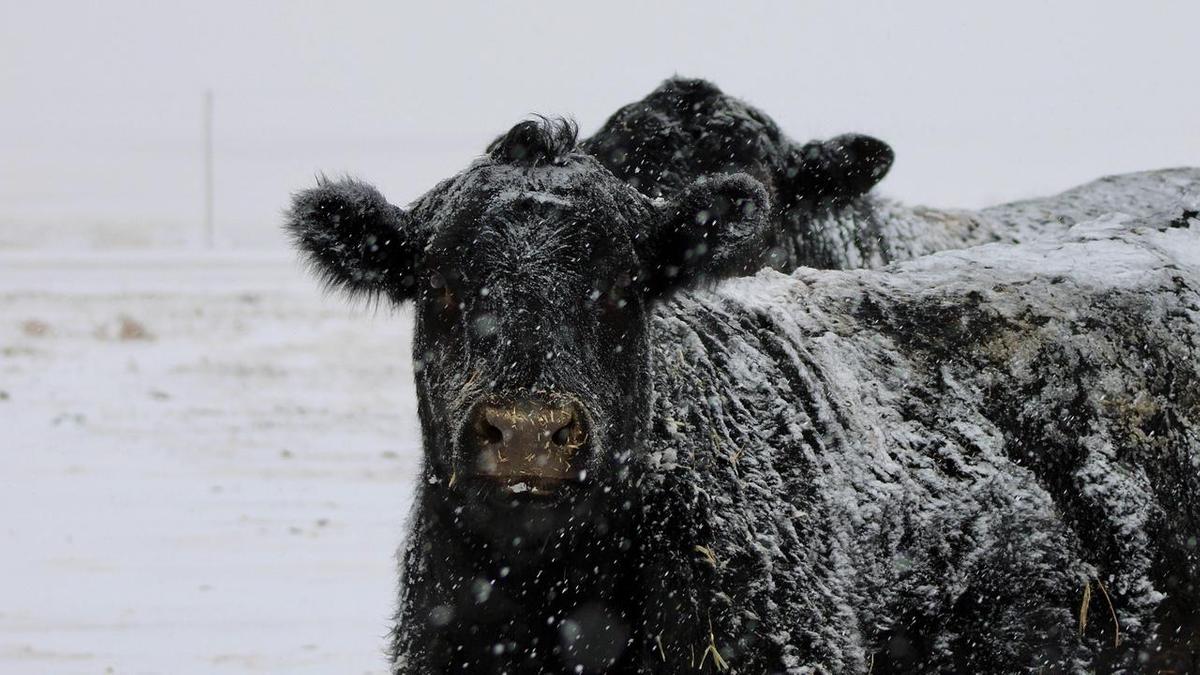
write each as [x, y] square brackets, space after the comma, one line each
[447, 301]
[613, 304]
[444, 304]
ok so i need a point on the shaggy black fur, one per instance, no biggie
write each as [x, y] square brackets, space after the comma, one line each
[533, 272]
[535, 142]
[356, 241]
[798, 475]
[688, 128]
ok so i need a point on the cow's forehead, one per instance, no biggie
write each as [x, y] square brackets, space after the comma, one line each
[578, 183]
[530, 226]
[578, 175]
[509, 198]
[542, 238]
[550, 221]
[541, 258]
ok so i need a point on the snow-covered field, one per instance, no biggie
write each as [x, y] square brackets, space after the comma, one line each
[206, 467]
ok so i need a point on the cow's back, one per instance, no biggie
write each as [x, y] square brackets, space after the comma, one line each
[1141, 194]
[934, 462]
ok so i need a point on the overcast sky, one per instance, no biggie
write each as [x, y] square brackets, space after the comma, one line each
[101, 102]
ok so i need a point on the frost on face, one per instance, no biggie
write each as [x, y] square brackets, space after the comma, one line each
[927, 467]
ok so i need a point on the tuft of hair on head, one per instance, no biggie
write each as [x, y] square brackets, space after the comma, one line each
[535, 142]
[688, 93]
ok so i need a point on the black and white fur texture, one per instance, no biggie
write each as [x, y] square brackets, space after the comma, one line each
[924, 469]
[823, 212]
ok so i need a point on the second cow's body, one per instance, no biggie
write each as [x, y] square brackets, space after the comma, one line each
[928, 469]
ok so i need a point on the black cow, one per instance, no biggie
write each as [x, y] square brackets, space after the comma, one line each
[822, 213]
[533, 274]
[687, 129]
[625, 472]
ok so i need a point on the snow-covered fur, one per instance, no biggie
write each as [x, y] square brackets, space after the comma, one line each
[533, 273]
[927, 468]
[978, 461]
[823, 214]
[688, 128]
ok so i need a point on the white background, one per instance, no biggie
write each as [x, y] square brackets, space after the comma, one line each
[101, 102]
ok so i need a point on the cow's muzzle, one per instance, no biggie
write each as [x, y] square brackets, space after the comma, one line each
[528, 445]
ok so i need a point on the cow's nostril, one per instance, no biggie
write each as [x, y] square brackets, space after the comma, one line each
[563, 435]
[490, 434]
[572, 435]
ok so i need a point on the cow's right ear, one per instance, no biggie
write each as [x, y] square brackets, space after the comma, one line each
[354, 240]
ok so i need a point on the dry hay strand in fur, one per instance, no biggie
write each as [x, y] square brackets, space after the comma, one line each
[1086, 604]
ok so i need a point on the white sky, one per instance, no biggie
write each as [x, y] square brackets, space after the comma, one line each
[100, 102]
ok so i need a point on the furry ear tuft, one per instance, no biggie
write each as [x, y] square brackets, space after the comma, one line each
[536, 142]
[354, 240]
[839, 169]
[714, 228]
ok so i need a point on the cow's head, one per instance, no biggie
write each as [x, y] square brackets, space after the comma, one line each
[532, 273]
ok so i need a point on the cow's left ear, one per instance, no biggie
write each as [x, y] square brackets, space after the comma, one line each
[836, 170]
[714, 228]
[355, 240]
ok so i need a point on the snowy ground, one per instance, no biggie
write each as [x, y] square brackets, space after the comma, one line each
[206, 467]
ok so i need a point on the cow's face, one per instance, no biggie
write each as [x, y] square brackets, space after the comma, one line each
[532, 274]
[531, 346]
